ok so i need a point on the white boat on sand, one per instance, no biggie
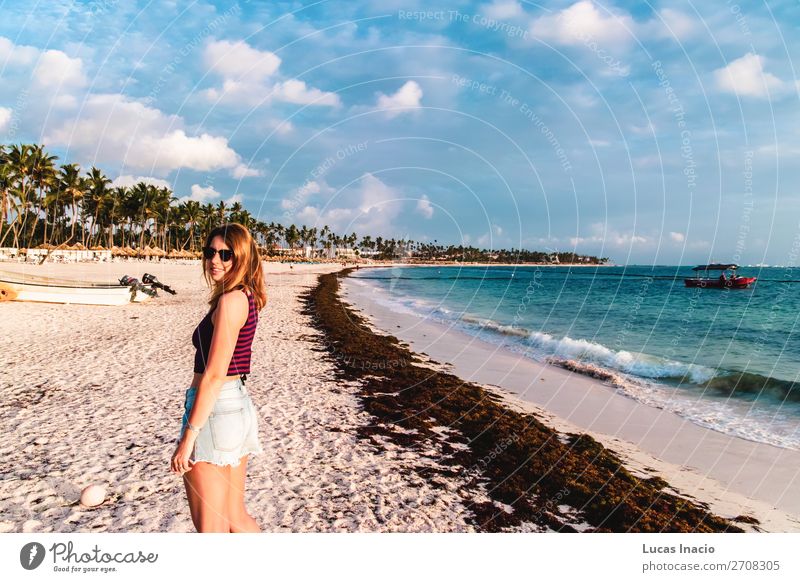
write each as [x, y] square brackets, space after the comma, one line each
[25, 287]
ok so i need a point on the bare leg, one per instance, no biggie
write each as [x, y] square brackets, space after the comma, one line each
[240, 520]
[207, 488]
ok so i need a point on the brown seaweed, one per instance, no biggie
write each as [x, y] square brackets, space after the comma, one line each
[531, 473]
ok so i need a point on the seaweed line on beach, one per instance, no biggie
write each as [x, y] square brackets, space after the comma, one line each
[536, 478]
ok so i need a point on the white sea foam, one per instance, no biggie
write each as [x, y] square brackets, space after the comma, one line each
[632, 373]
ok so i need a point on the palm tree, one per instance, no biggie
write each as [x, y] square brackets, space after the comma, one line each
[43, 176]
[234, 212]
[97, 189]
[162, 201]
[366, 243]
[271, 236]
[19, 162]
[191, 214]
[221, 216]
[56, 200]
[292, 235]
[208, 219]
[73, 186]
[115, 208]
[6, 185]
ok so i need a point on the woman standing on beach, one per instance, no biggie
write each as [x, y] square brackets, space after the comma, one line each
[220, 426]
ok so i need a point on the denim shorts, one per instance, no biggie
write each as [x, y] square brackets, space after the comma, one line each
[231, 430]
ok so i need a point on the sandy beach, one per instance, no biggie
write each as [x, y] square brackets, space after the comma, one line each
[94, 395]
[731, 475]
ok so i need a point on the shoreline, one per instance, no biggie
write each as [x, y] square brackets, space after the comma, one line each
[537, 478]
[702, 463]
[467, 264]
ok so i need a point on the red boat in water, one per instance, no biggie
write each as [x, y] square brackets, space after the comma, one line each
[727, 280]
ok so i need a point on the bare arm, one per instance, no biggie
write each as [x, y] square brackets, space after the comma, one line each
[231, 315]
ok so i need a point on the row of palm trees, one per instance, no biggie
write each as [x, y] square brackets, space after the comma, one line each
[42, 202]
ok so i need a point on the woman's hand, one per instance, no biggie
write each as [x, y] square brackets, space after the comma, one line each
[180, 458]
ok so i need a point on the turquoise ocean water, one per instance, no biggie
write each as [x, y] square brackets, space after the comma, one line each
[726, 359]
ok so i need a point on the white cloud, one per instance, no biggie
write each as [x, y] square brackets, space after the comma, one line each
[14, 54]
[238, 59]
[204, 152]
[49, 69]
[406, 98]
[244, 171]
[201, 194]
[424, 207]
[56, 69]
[583, 22]
[372, 207]
[5, 117]
[676, 24]
[248, 73]
[295, 91]
[669, 24]
[677, 237]
[503, 9]
[114, 128]
[746, 77]
[127, 180]
[64, 101]
[234, 199]
[301, 195]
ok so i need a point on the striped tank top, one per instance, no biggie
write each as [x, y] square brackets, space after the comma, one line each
[240, 361]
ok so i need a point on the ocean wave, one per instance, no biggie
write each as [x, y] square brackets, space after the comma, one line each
[634, 363]
[600, 361]
[750, 384]
[774, 425]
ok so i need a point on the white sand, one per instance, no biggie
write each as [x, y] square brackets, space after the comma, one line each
[94, 394]
[734, 476]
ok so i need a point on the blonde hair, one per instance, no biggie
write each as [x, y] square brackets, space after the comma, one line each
[246, 272]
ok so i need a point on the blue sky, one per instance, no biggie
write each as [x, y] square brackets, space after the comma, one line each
[646, 132]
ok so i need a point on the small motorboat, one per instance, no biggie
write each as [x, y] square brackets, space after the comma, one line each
[25, 287]
[728, 278]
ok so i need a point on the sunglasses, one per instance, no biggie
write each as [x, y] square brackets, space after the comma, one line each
[225, 255]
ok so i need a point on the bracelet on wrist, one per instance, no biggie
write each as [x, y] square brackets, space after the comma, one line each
[193, 428]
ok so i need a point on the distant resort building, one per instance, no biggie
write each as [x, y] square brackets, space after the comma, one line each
[70, 255]
[341, 253]
[56, 255]
[309, 252]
